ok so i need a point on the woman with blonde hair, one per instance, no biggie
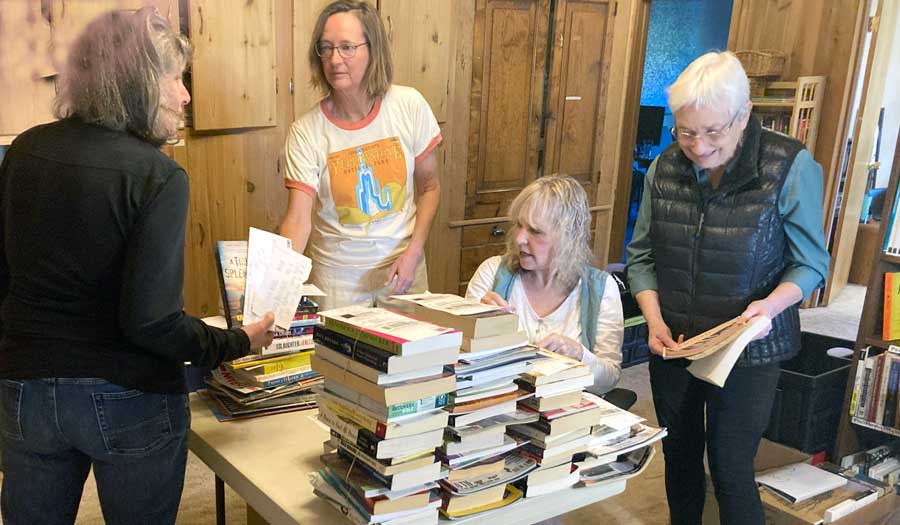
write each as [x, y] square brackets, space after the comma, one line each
[93, 338]
[564, 304]
[730, 225]
[361, 168]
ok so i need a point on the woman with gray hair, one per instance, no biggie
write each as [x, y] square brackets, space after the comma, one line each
[546, 278]
[93, 338]
[730, 224]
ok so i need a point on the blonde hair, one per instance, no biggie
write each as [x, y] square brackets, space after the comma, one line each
[559, 204]
[715, 79]
[114, 69]
[380, 70]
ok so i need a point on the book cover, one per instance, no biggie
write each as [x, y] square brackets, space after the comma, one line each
[231, 260]
[389, 330]
[716, 367]
[472, 318]
[891, 322]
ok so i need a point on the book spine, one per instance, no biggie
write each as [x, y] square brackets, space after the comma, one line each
[294, 330]
[359, 334]
[359, 351]
[365, 462]
[349, 431]
[857, 383]
[272, 368]
[418, 405]
[354, 416]
[866, 387]
[287, 344]
[293, 378]
[890, 398]
[872, 408]
[889, 294]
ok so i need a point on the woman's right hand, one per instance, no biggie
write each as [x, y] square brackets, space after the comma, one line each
[659, 336]
[260, 333]
[494, 298]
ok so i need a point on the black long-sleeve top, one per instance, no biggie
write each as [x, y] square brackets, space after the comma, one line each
[92, 226]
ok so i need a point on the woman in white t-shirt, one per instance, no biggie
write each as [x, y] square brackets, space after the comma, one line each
[546, 278]
[361, 166]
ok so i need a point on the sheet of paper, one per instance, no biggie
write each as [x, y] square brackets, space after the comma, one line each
[282, 285]
[453, 304]
[259, 250]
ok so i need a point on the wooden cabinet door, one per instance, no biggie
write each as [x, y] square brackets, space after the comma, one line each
[508, 62]
[233, 73]
[578, 85]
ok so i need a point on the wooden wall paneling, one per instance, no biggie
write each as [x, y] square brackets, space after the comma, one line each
[233, 72]
[443, 247]
[305, 14]
[509, 56]
[626, 54]
[26, 68]
[628, 130]
[819, 38]
[69, 18]
[863, 144]
[419, 34]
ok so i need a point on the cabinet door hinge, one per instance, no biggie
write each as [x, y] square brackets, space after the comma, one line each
[291, 86]
[615, 8]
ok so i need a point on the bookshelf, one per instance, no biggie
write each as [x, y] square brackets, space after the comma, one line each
[854, 433]
[793, 108]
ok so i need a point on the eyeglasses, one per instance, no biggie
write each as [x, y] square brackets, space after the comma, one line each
[345, 50]
[713, 136]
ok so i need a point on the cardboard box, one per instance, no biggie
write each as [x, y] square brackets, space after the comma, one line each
[885, 510]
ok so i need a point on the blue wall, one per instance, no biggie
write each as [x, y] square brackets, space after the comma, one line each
[672, 44]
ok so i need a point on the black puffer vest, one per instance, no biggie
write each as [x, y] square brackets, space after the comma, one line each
[716, 255]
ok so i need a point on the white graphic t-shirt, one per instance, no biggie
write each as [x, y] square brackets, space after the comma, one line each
[362, 177]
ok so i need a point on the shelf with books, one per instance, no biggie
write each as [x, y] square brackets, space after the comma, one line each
[875, 426]
[793, 108]
[855, 433]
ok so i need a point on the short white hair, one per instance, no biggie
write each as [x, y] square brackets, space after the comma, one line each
[714, 80]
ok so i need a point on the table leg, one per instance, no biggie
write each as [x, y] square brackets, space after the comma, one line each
[220, 501]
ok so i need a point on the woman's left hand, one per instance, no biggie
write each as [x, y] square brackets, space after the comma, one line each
[757, 308]
[563, 345]
[404, 269]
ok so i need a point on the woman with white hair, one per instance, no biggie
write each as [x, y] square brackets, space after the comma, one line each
[730, 224]
[93, 338]
[546, 278]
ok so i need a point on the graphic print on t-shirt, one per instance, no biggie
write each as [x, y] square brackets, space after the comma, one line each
[368, 182]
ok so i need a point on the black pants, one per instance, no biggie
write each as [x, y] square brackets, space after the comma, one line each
[736, 417]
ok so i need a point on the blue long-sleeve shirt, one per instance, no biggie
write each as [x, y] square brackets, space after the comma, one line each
[799, 205]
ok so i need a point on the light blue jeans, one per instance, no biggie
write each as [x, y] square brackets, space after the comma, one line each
[54, 430]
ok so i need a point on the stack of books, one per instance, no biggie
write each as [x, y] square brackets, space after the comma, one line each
[265, 383]
[382, 397]
[476, 450]
[875, 402]
[565, 417]
[620, 444]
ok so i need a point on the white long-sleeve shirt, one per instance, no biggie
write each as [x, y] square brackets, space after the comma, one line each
[605, 360]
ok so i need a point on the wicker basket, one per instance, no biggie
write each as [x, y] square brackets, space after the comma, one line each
[762, 63]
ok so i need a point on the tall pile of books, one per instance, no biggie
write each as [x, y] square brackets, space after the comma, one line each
[565, 415]
[477, 450]
[383, 394]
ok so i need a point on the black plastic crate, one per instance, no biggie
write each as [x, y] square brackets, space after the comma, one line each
[810, 394]
[634, 346]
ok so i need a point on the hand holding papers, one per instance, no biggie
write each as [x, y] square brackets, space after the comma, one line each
[282, 286]
[715, 351]
[260, 245]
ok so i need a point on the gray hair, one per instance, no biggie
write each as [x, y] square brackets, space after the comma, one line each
[715, 79]
[560, 204]
[114, 69]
